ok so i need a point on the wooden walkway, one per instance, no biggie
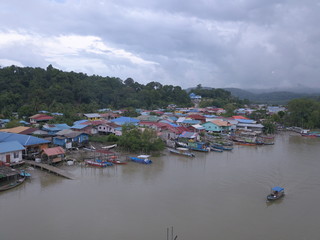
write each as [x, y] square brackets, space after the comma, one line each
[50, 168]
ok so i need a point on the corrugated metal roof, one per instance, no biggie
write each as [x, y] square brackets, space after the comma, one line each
[54, 151]
[14, 130]
[12, 146]
[24, 140]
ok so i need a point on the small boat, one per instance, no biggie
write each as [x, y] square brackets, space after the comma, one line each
[12, 184]
[181, 151]
[98, 163]
[222, 147]
[23, 173]
[110, 146]
[141, 159]
[114, 160]
[276, 193]
[216, 149]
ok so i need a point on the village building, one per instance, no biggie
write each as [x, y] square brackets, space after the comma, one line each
[40, 118]
[52, 155]
[11, 152]
[33, 145]
[92, 116]
[70, 139]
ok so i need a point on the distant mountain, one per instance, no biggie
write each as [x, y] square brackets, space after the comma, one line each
[270, 97]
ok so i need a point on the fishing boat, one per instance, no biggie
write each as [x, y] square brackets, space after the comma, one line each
[98, 163]
[198, 146]
[276, 193]
[181, 151]
[222, 147]
[141, 159]
[12, 184]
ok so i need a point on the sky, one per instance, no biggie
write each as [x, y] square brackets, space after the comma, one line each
[216, 43]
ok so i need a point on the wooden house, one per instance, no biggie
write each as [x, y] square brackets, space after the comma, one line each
[52, 155]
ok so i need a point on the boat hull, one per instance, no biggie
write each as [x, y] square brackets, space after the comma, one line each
[12, 184]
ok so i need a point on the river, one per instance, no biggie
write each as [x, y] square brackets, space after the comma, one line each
[218, 196]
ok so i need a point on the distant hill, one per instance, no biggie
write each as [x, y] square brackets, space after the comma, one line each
[269, 96]
[276, 97]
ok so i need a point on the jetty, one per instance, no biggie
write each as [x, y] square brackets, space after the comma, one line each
[51, 168]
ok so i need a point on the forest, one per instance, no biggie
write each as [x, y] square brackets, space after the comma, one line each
[28, 90]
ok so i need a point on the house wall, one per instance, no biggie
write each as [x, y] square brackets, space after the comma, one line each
[212, 127]
[14, 157]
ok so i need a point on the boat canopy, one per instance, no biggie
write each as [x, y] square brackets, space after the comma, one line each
[143, 156]
[278, 189]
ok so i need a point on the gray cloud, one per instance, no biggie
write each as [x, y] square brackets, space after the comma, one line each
[246, 44]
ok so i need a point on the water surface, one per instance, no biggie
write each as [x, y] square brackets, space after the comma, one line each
[213, 196]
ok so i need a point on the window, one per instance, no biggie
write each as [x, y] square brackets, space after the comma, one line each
[16, 154]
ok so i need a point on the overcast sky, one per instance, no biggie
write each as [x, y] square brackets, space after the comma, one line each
[215, 43]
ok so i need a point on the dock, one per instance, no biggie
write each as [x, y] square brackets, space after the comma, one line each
[50, 168]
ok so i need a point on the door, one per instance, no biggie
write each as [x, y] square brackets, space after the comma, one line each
[8, 158]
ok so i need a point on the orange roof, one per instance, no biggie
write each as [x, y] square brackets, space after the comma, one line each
[240, 117]
[221, 123]
[54, 151]
[15, 129]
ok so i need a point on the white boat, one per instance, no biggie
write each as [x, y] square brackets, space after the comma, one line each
[181, 151]
[109, 147]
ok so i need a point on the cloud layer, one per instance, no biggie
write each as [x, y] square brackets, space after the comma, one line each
[232, 43]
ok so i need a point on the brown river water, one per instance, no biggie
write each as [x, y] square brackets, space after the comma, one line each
[219, 196]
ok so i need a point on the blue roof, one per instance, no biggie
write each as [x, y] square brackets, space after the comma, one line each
[279, 189]
[125, 120]
[12, 146]
[245, 121]
[79, 126]
[79, 122]
[186, 134]
[24, 140]
[56, 127]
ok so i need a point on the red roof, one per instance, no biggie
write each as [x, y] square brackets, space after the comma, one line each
[54, 151]
[40, 117]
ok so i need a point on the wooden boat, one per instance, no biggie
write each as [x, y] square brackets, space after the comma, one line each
[276, 193]
[98, 163]
[216, 149]
[181, 151]
[12, 184]
[222, 147]
[141, 159]
[246, 143]
[198, 146]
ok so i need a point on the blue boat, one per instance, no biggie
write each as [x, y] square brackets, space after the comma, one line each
[198, 146]
[141, 159]
[24, 174]
[222, 147]
[276, 193]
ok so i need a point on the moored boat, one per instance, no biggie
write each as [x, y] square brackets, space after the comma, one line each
[98, 163]
[23, 173]
[276, 193]
[115, 160]
[141, 159]
[216, 149]
[12, 184]
[181, 151]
